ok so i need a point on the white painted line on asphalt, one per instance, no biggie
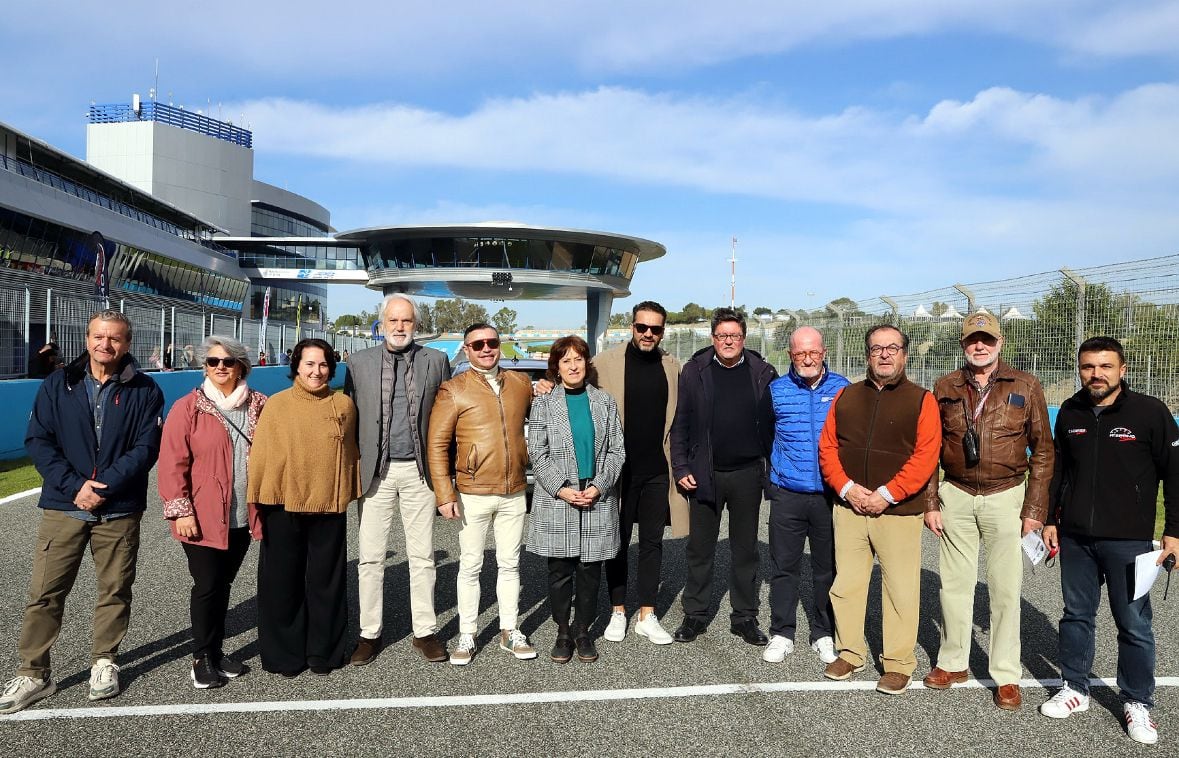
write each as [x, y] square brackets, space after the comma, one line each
[511, 698]
[19, 496]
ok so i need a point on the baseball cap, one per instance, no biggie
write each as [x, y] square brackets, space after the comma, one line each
[981, 322]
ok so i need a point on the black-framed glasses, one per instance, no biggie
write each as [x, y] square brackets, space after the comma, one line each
[642, 328]
[478, 345]
[878, 350]
[728, 337]
[212, 362]
[814, 355]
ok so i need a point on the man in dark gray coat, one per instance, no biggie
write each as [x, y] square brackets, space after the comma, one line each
[393, 386]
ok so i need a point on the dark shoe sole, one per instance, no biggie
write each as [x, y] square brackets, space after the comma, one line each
[586, 659]
[560, 659]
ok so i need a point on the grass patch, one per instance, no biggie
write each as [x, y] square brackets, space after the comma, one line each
[18, 476]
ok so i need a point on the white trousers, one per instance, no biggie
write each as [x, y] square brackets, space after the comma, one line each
[506, 515]
[402, 489]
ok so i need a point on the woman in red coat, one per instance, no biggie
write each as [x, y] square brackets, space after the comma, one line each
[202, 480]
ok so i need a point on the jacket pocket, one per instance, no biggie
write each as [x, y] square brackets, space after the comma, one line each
[472, 461]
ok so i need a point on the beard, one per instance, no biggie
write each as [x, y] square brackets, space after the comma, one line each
[398, 341]
[1099, 392]
[646, 347]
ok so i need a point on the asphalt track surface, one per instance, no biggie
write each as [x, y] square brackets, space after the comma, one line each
[711, 697]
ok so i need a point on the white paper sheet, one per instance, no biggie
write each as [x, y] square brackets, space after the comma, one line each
[1033, 546]
[1145, 572]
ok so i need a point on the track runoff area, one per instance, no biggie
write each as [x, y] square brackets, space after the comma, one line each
[713, 696]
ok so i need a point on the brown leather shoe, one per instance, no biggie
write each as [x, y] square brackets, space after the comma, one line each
[431, 648]
[1008, 698]
[893, 683]
[839, 670]
[365, 651]
[940, 679]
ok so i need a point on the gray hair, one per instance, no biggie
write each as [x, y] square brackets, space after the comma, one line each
[228, 344]
[110, 314]
[417, 311]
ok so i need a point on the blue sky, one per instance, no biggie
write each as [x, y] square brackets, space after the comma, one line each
[859, 148]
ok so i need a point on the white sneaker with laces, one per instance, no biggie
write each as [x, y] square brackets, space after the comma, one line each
[1065, 703]
[464, 651]
[1139, 725]
[22, 691]
[650, 628]
[104, 679]
[616, 629]
[824, 647]
[778, 649]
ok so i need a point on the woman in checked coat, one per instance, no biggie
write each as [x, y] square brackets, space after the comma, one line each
[575, 443]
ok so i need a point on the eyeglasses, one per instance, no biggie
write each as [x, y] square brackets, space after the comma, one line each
[642, 328]
[478, 345]
[728, 337]
[212, 362]
[814, 355]
[878, 350]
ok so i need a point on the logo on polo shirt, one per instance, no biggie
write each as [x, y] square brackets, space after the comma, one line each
[1077, 432]
[1122, 434]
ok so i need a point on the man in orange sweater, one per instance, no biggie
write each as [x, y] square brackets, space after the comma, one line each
[878, 449]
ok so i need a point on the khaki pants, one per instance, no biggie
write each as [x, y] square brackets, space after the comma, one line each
[61, 544]
[506, 514]
[896, 542]
[994, 520]
[402, 489]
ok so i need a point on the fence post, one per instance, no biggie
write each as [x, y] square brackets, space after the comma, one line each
[28, 346]
[48, 313]
[174, 338]
[1079, 329]
[839, 339]
[970, 304]
[163, 347]
[122, 306]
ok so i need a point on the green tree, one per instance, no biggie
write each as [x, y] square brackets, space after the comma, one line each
[505, 320]
[620, 319]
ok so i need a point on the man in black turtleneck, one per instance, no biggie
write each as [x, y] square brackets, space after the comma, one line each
[720, 440]
[644, 382]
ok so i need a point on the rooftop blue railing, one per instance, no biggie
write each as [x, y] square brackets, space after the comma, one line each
[173, 116]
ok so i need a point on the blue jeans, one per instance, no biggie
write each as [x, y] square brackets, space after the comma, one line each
[1085, 562]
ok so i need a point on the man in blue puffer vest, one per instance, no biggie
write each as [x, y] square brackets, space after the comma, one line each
[800, 503]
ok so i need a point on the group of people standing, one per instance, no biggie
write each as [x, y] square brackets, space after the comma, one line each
[624, 439]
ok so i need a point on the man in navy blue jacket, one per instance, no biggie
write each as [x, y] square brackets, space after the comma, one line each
[800, 503]
[1113, 447]
[93, 435]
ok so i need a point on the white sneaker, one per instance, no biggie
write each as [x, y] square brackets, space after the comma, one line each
[1139, 725]
[464, 651]
[650, 628]
[104, 679]
[778, 649]
[824, 647]
[23, 691]
[1065, 703]
[616, 629]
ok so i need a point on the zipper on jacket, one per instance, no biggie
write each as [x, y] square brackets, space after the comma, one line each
[1093, 484]
[871, 431]
[503, 425]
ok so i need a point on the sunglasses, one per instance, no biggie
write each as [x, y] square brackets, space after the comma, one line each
[212, 362]
[642, 328]
[478, 345]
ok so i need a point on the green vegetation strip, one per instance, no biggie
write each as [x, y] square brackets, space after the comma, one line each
[18, 476]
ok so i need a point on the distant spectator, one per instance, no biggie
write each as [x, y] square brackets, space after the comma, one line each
[155, 361]
[45, 362]
[261, 357]
[168, 357]
[189, 354]
[284, 357]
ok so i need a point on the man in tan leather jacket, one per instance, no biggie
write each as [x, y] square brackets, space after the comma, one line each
[994, 492]
[482, 412]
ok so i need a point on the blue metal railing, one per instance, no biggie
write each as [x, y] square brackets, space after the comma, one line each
[173, 116]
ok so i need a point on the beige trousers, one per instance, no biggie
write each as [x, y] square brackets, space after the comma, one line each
[994, 521]
[506, 515]
[896, 542]
[401, 489]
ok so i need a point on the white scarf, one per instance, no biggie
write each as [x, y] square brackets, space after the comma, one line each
[232, 401]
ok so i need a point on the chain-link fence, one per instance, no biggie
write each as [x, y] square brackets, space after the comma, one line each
[165, 337]
[1045, 317]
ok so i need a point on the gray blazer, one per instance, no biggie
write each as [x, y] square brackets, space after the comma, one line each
[363, 384]
[557, 529]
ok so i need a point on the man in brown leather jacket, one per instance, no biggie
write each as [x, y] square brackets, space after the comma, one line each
[482, 412]
[994, 492]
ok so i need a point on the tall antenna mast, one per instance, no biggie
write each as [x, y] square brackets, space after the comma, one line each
[733, 276]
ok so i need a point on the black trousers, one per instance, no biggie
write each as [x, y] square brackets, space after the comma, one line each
[795, 517]
[644, 501]
[740, 491]
[561, 580]
[213, 572]
[302, 598]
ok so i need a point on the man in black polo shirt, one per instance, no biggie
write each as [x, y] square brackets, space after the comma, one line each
[720, 440]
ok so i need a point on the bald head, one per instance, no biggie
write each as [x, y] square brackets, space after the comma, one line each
[807, 353]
